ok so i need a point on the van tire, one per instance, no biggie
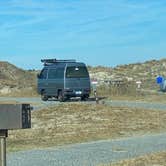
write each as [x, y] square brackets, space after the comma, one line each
[61, 96]
[43, 96]
[84, 98]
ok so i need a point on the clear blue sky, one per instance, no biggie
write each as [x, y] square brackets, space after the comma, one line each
[97, 32]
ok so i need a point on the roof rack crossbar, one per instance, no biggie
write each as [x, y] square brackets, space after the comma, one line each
[52, 61]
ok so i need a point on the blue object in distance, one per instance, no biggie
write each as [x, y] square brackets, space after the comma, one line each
[159, 80]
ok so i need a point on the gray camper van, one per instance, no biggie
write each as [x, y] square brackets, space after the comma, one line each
[63, 79]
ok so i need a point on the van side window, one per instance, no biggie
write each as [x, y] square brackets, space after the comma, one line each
[56, 73]
[60, 73]
[43, 74]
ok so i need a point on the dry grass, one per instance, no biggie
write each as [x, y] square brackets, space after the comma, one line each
[129, 92]
[125, 89]
[74, 122]
[158, 159]
[157, 98]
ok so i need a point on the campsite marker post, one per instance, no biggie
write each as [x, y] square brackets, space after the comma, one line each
[12, 116]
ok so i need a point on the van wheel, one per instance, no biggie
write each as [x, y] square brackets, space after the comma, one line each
[43, 96]
[84, 98]
[61, 96]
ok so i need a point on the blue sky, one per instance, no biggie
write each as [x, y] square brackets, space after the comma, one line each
[97, 32]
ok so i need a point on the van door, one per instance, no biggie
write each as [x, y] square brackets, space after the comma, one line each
[77, 77]
[42, 81]
[55, 80]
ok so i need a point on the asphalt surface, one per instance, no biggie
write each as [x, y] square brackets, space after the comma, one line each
[138, 104]
[89, 154]
[37, 103]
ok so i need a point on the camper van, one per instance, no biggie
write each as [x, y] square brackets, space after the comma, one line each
[63, 79]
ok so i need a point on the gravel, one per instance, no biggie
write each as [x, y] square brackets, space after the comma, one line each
[90, 154]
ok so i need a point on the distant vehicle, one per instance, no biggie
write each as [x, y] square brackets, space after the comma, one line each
[63, 79]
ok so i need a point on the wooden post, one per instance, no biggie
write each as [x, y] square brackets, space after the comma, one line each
[3, 135]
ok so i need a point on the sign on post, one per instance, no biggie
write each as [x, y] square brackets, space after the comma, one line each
[12, 116]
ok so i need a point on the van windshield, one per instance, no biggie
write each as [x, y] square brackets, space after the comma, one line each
[76, 72]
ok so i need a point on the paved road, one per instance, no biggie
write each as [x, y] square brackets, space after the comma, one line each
[138, 104]
[37, 103]
[90, 154]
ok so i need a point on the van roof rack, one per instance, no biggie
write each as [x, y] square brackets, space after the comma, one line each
[53, 61]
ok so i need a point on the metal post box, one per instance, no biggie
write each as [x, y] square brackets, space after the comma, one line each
[15, 116]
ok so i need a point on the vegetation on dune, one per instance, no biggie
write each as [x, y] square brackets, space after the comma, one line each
[18, 82]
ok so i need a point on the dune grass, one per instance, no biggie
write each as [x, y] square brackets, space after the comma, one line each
[70, 123]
